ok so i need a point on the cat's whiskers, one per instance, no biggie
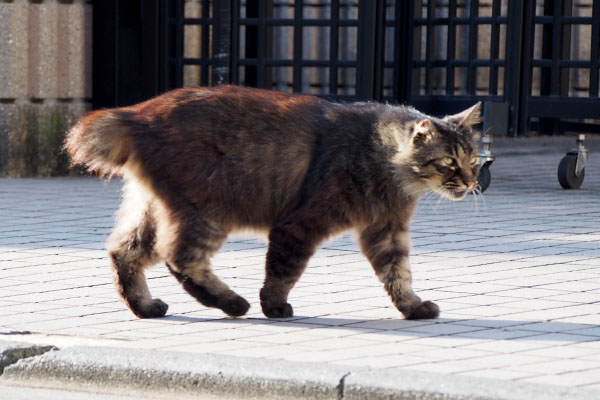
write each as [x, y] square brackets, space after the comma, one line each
[438, 204]
[479, 198]
[427, 196]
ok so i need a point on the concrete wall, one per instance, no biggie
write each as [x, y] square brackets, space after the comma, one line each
[45, 81]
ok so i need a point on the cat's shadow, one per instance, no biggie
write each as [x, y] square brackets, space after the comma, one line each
[450, 328]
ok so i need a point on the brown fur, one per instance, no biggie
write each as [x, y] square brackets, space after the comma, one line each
[200, 163]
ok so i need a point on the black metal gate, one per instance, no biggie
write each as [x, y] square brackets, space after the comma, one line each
[552, 67]
[517, 56]
[461, 56]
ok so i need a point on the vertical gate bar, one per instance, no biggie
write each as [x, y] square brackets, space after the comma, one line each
[235, 42]
[549, 75]
[105, 37]
[564, 42]
[399, 43]
[473, 27]
[495, 48]
[334, 46]
[367, 18]
[251, 44]
[556, 49]
[565, 47]
[451, 47]
[404, 40]
[268, 44]
[545, 76]
[595, 48]
[150, 29]
[297, 64]
[516, 41]
[165, 72]
[221, 42]
[205, 46]
[179, 43]
[413, 80]
[428, 45]
[260, 45]
[379, 50]
[566, 7]
[528, 26]
[401, 68]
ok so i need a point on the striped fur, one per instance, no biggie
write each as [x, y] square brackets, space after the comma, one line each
[201, 163]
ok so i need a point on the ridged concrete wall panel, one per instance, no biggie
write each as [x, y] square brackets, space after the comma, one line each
[13, 51]
[6, 118]
[74, 50]
[43, 50]
[32, 135]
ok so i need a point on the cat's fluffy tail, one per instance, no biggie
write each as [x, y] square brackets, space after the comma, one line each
[101, 141]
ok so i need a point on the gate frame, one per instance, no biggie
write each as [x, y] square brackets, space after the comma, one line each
[158, 62]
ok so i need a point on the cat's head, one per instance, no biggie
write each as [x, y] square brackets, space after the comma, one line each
[445, 153]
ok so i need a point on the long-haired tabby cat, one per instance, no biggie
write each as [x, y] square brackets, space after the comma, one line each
[201, 163]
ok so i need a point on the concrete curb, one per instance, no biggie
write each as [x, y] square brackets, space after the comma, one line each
[406, 384]
[11, 352]
[159, 373]
[179, 375]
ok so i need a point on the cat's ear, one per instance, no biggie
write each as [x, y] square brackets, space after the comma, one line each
[468, 118]
[423, 131]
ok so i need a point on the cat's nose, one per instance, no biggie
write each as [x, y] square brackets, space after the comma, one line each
[471, 184]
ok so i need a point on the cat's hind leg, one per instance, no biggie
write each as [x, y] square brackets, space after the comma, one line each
[131, 250]
[189, 263]
[212, 292]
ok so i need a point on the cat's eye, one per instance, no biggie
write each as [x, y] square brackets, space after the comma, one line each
[474, 160]
[448, 160]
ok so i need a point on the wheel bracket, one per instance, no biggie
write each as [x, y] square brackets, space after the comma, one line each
[486, 157]
[581, 152]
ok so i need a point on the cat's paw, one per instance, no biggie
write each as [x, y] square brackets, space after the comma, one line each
[281, 311]
[425, 310]
[236, 307]
[155, 309]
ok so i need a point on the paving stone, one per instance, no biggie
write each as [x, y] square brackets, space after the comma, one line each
[517, 282]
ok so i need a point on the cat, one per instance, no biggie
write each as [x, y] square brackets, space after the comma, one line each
[201, 163]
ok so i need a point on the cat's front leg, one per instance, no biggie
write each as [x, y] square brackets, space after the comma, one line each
[387, 248]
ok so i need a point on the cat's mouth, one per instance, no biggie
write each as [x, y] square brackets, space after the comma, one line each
[458, 194]
[453, 192]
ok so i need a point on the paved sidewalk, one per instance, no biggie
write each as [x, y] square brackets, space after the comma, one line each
[516, 274]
